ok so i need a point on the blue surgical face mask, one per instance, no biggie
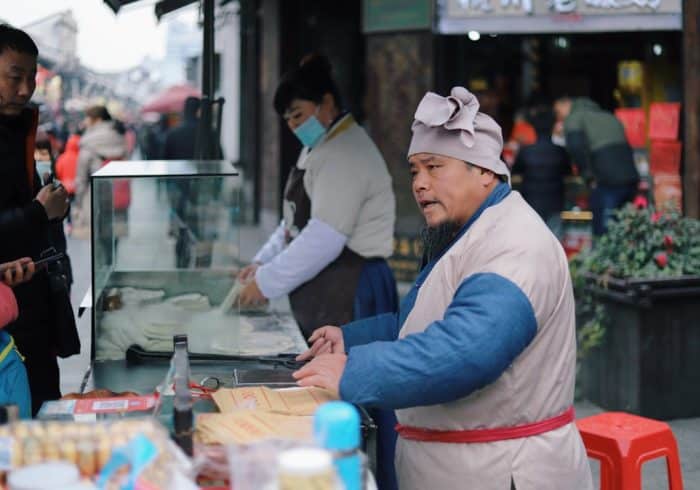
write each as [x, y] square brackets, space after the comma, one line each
[310, 131]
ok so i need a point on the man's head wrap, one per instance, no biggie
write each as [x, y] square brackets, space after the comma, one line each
[453, 126]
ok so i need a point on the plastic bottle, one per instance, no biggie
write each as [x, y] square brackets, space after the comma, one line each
[182, 403]
[337, 429]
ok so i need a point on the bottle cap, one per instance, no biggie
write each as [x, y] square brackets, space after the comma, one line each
[337, 426]
[305, 462]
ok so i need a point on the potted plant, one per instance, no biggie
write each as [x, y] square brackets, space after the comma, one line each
[638, 314]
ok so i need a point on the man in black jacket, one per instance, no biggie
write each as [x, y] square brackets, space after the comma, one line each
[27, 212]
[543, 166]
[180, 141]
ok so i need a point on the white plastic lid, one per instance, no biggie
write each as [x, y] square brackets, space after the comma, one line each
[305, 461]
[44, 476]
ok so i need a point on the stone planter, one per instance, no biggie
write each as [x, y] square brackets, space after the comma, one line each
[649, 360]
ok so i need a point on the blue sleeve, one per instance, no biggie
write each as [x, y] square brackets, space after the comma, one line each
[372, 329]
[487, 325]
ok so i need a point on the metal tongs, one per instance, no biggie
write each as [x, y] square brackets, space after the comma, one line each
[136, 354]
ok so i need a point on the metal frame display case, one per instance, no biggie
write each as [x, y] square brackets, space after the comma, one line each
[165, 252]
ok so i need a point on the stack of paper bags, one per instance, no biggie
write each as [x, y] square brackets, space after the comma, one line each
[255, 413]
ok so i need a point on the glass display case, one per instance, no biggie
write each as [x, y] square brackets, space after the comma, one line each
[165, 252]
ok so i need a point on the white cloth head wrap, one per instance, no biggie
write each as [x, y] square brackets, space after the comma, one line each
[453, 126]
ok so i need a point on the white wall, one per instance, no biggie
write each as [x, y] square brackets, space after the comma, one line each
[227, 44]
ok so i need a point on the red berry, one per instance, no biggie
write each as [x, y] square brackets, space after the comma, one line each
[668, 241]
[640, 202]
[661, 259]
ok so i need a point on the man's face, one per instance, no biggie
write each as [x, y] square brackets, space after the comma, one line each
[562, 108]
[447, 189]
[17, 81]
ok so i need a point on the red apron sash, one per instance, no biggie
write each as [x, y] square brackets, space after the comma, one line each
[486, 435]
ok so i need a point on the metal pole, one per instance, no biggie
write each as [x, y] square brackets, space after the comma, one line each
[206, 149]
[691, 108]
[249, 110]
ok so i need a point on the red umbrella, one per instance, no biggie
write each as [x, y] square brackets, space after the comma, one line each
[171, 100]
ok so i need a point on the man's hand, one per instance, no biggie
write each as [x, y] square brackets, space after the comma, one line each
[251, 295]
[324, 340]
[324, 371]
[54, 199]
[248, 272]
[14, 273]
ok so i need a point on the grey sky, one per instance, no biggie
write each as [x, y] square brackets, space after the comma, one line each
[105, 42]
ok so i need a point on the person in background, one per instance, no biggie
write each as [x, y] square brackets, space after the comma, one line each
[27, 211]
[543, 166]
[46, 168]
[180, 144]
[100, 143]
[596, 141]
[180, 141]
[480, 361]
[154, 138]
[329, 253]
[14, 384]
[339, 211]
[67, 165]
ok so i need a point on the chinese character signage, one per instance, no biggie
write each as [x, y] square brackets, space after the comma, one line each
[583, 7]
[503, 16]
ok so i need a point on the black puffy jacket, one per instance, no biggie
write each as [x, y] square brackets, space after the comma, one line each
[25, 229]
[543, 167]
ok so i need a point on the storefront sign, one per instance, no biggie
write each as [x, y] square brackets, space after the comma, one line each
[397, 15]
[665, 157]
[635, 124]
[408, 254]
[527, 16]
[663, 120]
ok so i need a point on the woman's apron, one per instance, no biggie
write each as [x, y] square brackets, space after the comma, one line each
[333, 298]
[328, 298]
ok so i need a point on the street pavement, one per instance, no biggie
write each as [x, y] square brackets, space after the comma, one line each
[687, 431]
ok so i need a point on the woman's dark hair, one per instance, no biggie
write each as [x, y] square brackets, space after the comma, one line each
[311, 80]
[98, 112]
[16, 40]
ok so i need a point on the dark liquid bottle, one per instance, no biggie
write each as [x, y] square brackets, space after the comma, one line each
[182, 403]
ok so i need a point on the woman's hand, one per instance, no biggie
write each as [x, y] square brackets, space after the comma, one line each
[17, 271]
[324, 340]
[251, 295]
[248, 272]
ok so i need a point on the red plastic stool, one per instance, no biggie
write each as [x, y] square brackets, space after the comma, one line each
[623, 442]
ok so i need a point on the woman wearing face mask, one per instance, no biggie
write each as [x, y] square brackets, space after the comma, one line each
[329, 251]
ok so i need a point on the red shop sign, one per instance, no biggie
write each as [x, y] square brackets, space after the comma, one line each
[663, 120]
[665, 157]
[635, 123]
